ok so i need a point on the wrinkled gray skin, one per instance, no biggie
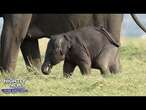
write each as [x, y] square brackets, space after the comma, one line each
[24, 30]
[88, 47]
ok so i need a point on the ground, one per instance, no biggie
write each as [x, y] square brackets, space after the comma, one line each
[130, 82]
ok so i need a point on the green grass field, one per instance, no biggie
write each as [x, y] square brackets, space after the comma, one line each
[130, 82]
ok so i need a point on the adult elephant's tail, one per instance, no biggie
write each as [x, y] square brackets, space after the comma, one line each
[135, 18]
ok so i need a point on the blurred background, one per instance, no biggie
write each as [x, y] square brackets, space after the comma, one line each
[129, 27]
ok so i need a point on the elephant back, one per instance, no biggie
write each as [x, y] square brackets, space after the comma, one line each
[60, 23]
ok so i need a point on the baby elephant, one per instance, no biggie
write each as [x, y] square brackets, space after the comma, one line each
[88, 47]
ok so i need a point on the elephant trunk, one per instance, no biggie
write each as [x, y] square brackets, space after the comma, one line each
[46, 68]
[135, 18]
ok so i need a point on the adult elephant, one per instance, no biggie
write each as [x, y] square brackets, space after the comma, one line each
[24, 30]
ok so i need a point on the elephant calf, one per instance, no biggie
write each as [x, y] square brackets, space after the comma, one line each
[88, 47]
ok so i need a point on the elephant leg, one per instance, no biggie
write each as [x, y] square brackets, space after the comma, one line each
[14, 31]
[68, 69]
[9, 57]
[85, 68]
[104, 59]
[114, 23]
[104, 70]
[116, 67]
[31, 54]
[103, 66]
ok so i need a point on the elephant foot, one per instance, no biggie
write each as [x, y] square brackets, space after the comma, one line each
[67, 75]
[106, 75]
[33, 69]
[8, 70]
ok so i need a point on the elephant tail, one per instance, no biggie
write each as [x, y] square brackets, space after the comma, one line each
[107, 35]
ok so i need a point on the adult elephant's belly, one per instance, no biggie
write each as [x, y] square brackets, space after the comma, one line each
[49, 24]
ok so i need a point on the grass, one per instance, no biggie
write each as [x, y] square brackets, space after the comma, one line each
[130, 82]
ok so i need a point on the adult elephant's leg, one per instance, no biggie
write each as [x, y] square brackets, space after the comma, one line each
[31, 54]
[13, 33]
[114, 23]
[99, 19]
